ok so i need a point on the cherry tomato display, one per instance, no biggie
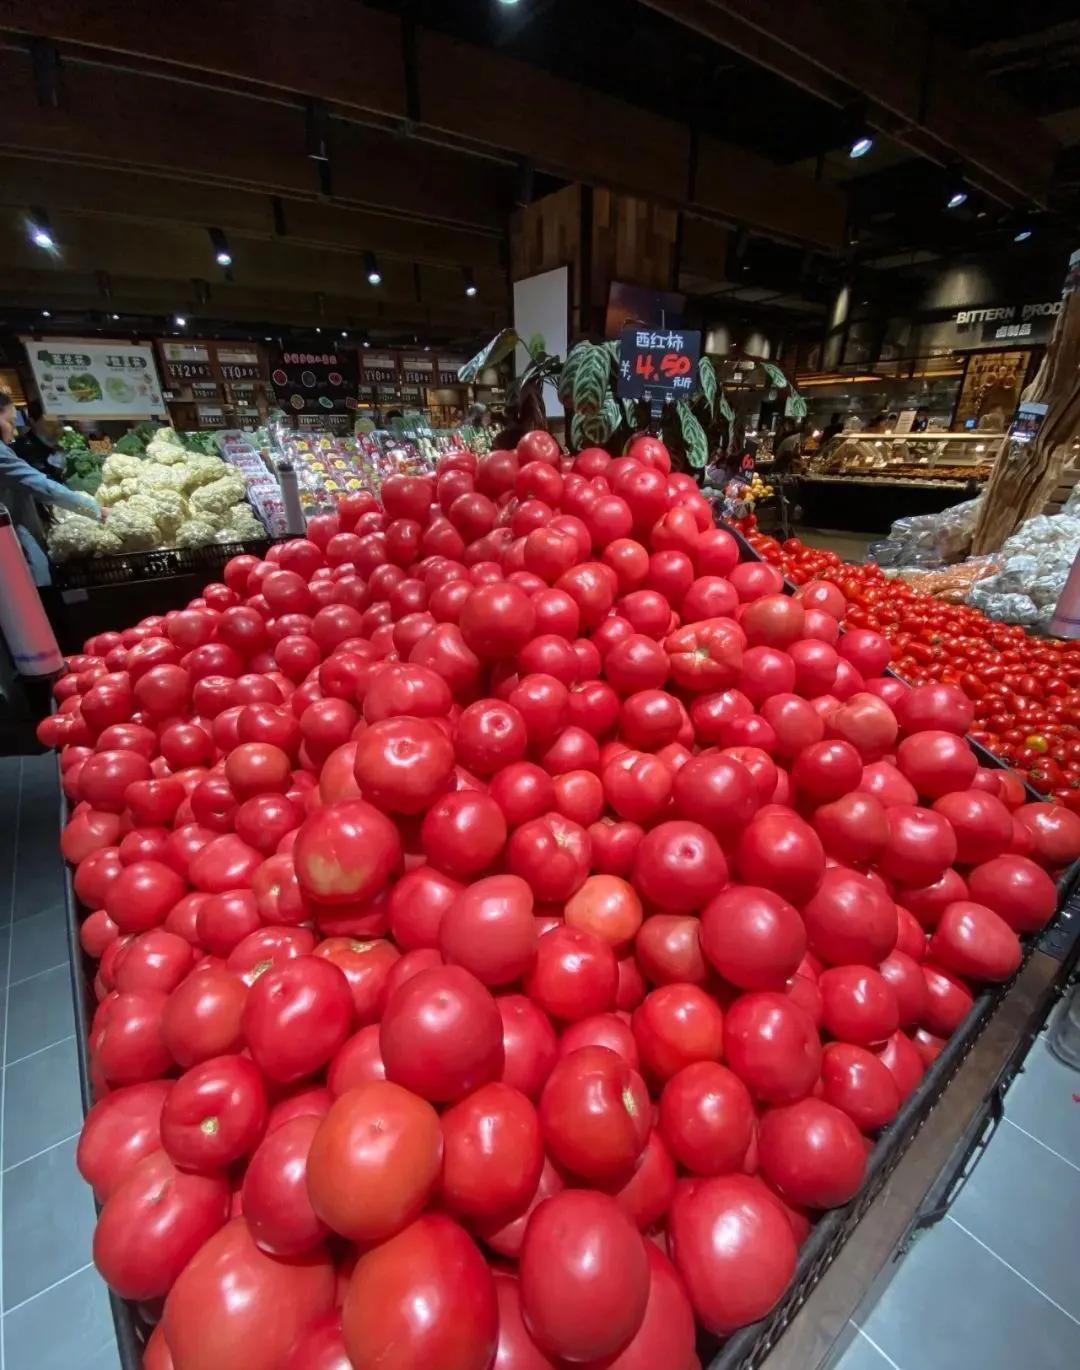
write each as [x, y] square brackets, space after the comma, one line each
[504, 885]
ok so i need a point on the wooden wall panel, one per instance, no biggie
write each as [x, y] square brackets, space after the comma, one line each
[633, 241]
[546, 235]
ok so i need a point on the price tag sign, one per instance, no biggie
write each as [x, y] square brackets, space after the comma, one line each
[186, 362]
[417, 370]
[658, 364]
[379, 368]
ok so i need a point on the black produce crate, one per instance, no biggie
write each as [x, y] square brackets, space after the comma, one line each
[92, 572]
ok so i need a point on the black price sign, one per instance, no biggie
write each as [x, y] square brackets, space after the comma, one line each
[190, 371]
[239, 371]
[657, 364]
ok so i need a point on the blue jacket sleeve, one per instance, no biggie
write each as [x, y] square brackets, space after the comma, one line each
[15, 471]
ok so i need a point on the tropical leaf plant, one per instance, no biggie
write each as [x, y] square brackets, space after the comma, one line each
[775, 375]
[497, 350]
[591, 382]
[707, 381]
[726, 411]
[693, 435]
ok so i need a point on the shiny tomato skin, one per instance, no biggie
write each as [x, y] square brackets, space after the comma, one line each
[366, 964]
[277, 1208]
[120, 1129]
[752, 937]
[1017, 889]
[233, 1304]
[421, 1300]
[679, 866]
[374, 1161]
[850, 919]
[773, 1046]
[202, 1016]
[812, 1152]
[215, 1114]
[516, 1349]
[707, 1118]
[530, 1047]
[403, 764]
[490, 929]
[733, 1246]
[493, 1154]
[921, 845]
[584, 1276]
[346, 851]
[356, 1062]
[595, 1114]
[859, 1005]
[668, 950]
[674, 1026]
[552, 854]
[463, 833]
[779, 850]
[296, 1016]
[152, 1224]
[857, 1082]
[441, 1034]
[574, 974]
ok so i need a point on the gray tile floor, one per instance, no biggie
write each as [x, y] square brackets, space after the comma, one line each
[996, 1284]
[54, 1310]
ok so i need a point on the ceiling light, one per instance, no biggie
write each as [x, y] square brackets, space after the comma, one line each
[508, 3]
[371, 269]
[860, 146]
[114, 317]
[366, 342]
[427, 347]
[955, 189]
[470, 282]
[41, 234]
[222, 255]
[180, 320]
[1022, 236]
[318, 330]
[46, 313]
[344, 334]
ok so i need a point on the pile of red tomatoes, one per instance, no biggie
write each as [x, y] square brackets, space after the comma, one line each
[1025, 689]
[513, 920]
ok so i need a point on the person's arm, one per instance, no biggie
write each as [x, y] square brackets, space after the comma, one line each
[19, 472]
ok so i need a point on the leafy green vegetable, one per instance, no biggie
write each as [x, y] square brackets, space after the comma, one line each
[130, 445]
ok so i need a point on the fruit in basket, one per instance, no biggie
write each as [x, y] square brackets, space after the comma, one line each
[483, 908]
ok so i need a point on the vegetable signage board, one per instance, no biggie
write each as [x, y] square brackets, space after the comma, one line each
[239, 363]
[658, 364]
[185, 363]
[313, 384]
[448, 370]
[380, 368]
[417, 370]
[103, 379]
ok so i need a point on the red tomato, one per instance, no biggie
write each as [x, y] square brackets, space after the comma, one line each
[637, 785]
[773, 1047]
[935, 706]
[356, 1062]
[753, 937]
[936, 763]
[126, 1042]
[366, 965]
[215, 1114]
[972, 940]
[857, 1082]
[717, 791]
[812, 1153]
[492, 1154]
[852, 828]
[948, 1000]
[780, 851]
[707, 1118]
[679, 866]
[374, 1161]
[403, 764]
[1016, 889]
[119, 1131]
[441, 1034]
[595, 1114]
[346, 852]
[202, 1016]
[425, 1298]
[490, 929]
[607, 906]
[574, 974]
[920, 847]
[859, 1005]
[850, 919]
[905, 976]
[530, 1048]
[584, 1276]
[732, 1244]
[676, 1025]
[296, 1016]
[234, 1304]
[668, 950]
[1055, 831]
[153, 1223]
[552, 854]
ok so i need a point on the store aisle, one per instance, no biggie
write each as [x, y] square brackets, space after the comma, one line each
[997, 1282]
[55, 1310]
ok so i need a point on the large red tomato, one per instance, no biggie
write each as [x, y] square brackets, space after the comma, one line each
[972, 940]
[1015, 888]
[493, 1154]
[346, 852]
[936, 762]
[733, 1246]
[858, 1082]
[668, 950]
[403, 764]
[595, 1114]
[530, 1048]
[666, 1335]
[119, 1131]
[812, 1153]
[152, 1224]
[676, 1025]
[552, 853]
[202, 1015]
[584, 1276]
[773, 1046]
[275, 1198]
[366, 966]
[850, 919]
[235, 1305]
[753, 937]
[607, 906]
[490, 929]
[374, 1161]
[421, 1300]
[779, 850]
[858, 1005]
[707, 1118]
[296, 1016]
[1054, 829]
[921, 845]
[441, 1034]
[215, 1114]
[679, 866]
[463, 832]
[574, 974]
[716, 790]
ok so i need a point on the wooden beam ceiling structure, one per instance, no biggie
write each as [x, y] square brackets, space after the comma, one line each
[414, 120]
[919, 89]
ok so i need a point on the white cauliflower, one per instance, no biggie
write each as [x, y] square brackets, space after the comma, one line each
[127, 489]
[108, 494]
[75, 535]
[118, 467]
[198, 470]
[241, 521]
[133, 523]
[169, 511]
[194, 533]
[158, 475]
[220, 494]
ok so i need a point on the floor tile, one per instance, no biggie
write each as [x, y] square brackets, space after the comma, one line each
[858, 1354]
[43, 1104]
[1024, 1202]
[68, 1326]
[952, 1303]
[1043, 1100]
[39, 871]
[38, 943]
[48, 1223]
[5, 951]
[9, 807]
[40, 1012]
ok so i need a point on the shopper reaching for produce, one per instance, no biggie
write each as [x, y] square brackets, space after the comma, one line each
[21, 486]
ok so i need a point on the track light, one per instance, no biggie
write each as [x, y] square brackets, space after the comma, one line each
[46, 313]
[180, 320]
[860, 146]
[955, 189]
[344, 334]
[41, 234]
[1022, 235]
[371, 269]
[222, 255]
[114, 317]
[366, 342]
[470, 283]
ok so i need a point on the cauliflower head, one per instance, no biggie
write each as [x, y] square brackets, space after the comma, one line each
[133, 523]
[118, 468]
[199, 470]
[195, 532]
[75, 535]
[159, 475]
[219, 495]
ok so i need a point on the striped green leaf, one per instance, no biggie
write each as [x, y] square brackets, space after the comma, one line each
[693, 435]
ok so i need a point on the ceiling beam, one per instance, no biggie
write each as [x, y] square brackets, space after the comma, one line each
[353, 58]
[921, 90]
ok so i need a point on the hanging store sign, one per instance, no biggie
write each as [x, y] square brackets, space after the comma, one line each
[379, 368]
[106, 379]
[658, 364]
[417, 370]
[1022, 323]
[315, 383]
[185, 363]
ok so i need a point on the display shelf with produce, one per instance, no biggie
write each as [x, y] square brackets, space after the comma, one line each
[734, 855]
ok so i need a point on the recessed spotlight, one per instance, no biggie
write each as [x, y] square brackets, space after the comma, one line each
[470, 282]
[180, 320]
[955, 189]
[366, 342]
[46, 313]
[371, 269]
[222, 255]
[41, 234]
[344, 334]
[1022, 236]
[114, 317]
[860, 146]
[318, 330]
